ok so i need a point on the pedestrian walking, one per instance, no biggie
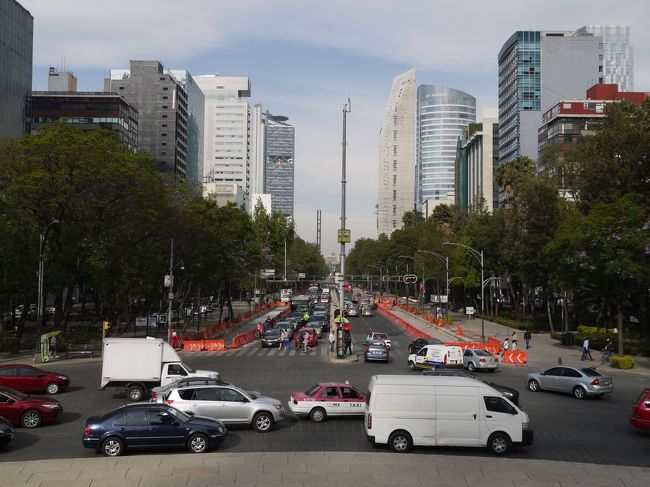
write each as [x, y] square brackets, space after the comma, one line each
[53, 347]
[348, 343]
[513, 340]
[607, 352]
[283, 338]
[527, 338]
[305, 342]
[586, 353]
[505, 346]
[332, 339]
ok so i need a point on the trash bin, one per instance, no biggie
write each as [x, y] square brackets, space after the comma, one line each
[568, 339]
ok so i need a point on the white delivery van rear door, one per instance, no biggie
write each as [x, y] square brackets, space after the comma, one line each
[457, 415]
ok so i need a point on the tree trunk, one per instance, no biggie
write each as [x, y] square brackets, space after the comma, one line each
[565, 315]
[619, 326]
[550, 315]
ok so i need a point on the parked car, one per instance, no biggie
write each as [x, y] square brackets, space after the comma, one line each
[641, 411]
[415, 346]
[509, 392]
[375, 350]
[379, 335]
[6, 432]
[25, 378]
[229, 404]
[478, 359]
[28, 411]
[271, 338]
[328, 399]
[141, 426]
[579, 381]
[159, 394]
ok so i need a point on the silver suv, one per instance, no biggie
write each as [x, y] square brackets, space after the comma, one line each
[228, 404]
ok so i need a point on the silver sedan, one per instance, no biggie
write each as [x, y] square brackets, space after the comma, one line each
[579, 381]
[478, 359]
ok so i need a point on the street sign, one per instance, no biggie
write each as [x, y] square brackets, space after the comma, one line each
[141, 321]
[469, 310]
[301, 275]
[439, 298]
[344, 236]
[410, 279]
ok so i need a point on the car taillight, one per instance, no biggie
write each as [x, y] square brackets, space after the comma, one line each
[595, 382]
[169, 401]
[87, 431]
[154, 396]
[369, 421]
[481, 360]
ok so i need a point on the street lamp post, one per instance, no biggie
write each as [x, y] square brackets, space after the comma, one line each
[479, 257]
[444, 259]
[41, 270]
[407, 271]
[346, 109]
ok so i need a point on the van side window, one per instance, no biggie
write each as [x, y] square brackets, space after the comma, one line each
[498, 405]
[422, 352]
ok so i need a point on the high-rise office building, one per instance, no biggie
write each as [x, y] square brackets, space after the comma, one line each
[162, 107]
[482, 157]
[16, 41]
[536, 69]
[396, 193]
[279, 167]
[442, 116]
[617, 52]
[195, 122]
[258, 150]
[226, 141]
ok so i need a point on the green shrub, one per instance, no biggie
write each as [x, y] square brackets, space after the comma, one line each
[622, 362]
[592, 329]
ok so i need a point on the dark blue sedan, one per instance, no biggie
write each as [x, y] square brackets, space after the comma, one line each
[151, 426]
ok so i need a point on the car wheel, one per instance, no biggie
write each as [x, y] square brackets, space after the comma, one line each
[31, 419]
[52, 388]
[135, 393]
[499, 443]
[411, 365]
[318, 415]
[533, 385]
[579, 392]
[197, 443]
[471, 367]
[400, 441]
[112, 447]
[263, 422]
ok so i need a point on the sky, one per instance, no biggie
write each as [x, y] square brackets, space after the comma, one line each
[305, 58]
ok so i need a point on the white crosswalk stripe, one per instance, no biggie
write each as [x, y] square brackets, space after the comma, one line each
[252, 351]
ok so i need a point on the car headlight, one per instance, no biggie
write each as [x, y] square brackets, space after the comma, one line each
[51, 406]
[62, 377]
[507, 394]
[221, 429]
[525, 426]
[277, 406]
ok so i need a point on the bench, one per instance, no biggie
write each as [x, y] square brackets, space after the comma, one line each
[82, 350]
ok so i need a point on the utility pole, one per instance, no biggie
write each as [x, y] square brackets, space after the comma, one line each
[318, 229]
[170, 285]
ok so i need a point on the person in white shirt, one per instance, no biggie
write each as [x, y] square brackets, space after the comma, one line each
[585, 350]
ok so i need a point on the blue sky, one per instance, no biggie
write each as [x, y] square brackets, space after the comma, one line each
[305, 58]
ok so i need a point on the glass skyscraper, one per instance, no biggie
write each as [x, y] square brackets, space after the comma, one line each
[16, 40]
[279, 167]
[617, 57]
[442, 116]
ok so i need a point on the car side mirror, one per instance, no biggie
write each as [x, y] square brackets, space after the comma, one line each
[10, 401]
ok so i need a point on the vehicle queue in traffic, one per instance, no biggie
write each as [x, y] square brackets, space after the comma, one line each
[194, 412]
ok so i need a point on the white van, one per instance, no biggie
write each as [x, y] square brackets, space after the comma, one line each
[406, 410]
[432, 356]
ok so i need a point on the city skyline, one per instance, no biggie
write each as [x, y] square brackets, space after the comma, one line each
[310, 62]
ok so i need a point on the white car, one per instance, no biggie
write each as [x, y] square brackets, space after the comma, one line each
[379, 335]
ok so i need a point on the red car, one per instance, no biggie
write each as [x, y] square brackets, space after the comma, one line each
[25, 378]
[641, 411]
[313, 337]
[26, 410]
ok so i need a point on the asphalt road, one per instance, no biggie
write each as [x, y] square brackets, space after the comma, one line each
[592, 431]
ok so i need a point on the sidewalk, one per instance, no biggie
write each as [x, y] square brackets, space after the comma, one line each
[316, 469]
[543, 353]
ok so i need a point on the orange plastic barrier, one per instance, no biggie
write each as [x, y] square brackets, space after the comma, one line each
[214, 345]
[440, 323]
[516, 357]
[193, 346]
[411, 330]
[459, 331]
[493, 349]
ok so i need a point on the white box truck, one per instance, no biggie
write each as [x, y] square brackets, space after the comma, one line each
[405, 411]
[140, 364]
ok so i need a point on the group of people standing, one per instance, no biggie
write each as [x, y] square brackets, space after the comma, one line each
[511, 342]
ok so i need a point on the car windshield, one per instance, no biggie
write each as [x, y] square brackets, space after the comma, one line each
[180, 415]
[270, 333]
[312, 390]
[381, 336]
[13, 393]
[588, 371]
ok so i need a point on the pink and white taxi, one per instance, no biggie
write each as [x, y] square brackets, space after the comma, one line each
[328, 399]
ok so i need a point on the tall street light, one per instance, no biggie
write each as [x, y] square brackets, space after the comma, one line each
[377, 266]
[347, 108]
[479, 257]
[41, 270]
[407, 271]
[444, 259]
[169, 282]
